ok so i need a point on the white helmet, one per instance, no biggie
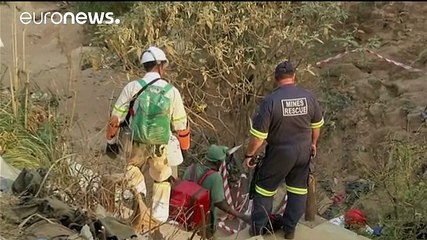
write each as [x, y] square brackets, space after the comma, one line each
[154, 54]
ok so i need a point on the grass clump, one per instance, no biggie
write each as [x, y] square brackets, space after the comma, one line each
[30, 146]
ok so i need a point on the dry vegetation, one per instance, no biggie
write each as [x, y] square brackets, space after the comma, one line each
[222, 56]
[222, 59]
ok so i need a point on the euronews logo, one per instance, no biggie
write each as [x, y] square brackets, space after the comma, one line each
[57, 18]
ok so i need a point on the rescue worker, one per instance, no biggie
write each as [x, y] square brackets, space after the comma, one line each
[155, 62]
[289, 120]
[215, 156]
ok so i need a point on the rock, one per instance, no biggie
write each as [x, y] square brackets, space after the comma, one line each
[376, 113]
[395, 89]
[366, 91]
[383, 95]
[396, 118]
[414, 121]
[374, 82]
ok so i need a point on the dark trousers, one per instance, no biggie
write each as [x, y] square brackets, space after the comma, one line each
[281, 164]
[262, 207]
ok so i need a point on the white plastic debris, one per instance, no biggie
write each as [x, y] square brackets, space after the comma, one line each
[8, 174]
[339, 221]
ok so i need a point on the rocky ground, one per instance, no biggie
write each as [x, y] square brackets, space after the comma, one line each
[375, 100]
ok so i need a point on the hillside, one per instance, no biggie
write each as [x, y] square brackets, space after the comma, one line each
[374, 130]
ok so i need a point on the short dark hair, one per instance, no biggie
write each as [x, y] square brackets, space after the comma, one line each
[148, 66]
[279, 77]
[284, 70]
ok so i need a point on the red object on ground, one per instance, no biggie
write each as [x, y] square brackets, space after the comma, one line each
[355, 217]
[190, 203]
[339, 198]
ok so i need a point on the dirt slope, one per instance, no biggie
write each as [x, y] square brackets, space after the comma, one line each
[374, 100]
[53, 57]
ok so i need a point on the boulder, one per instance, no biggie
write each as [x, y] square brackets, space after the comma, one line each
[395, 89]
[414, 121]
[366, 91]
[376, 113]
[395, 118]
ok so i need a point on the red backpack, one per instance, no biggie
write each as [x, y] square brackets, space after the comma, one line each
[190, 202]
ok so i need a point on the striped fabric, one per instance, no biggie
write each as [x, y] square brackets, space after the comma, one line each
[224, 174]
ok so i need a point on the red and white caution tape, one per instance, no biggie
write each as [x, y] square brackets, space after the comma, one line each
[283, 207]
[338, 56]
[409, 68]
[226, 228]
[224, 174]
[239, 184]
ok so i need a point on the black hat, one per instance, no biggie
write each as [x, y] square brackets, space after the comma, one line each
[284, 67]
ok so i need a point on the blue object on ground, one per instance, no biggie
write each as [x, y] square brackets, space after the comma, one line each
[377, 231]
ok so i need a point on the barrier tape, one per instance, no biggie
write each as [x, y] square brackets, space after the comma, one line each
[284, 204]
[239, 184]
[399, 64]
[409, 68]
[338, 56]
[226, 228]
[224, 174]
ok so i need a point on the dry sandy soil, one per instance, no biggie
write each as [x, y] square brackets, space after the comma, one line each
[384, 98]
[53, 55]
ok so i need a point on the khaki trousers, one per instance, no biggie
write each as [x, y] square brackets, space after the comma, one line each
[159, 172]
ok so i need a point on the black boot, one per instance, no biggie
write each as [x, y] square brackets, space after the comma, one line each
[289, 235]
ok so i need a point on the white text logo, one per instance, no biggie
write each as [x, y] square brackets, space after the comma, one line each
[69, 18]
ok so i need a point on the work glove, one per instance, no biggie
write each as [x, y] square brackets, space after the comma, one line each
[112, 149]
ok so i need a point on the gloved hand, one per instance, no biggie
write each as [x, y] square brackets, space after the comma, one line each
[112, 128]
[112, 150]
